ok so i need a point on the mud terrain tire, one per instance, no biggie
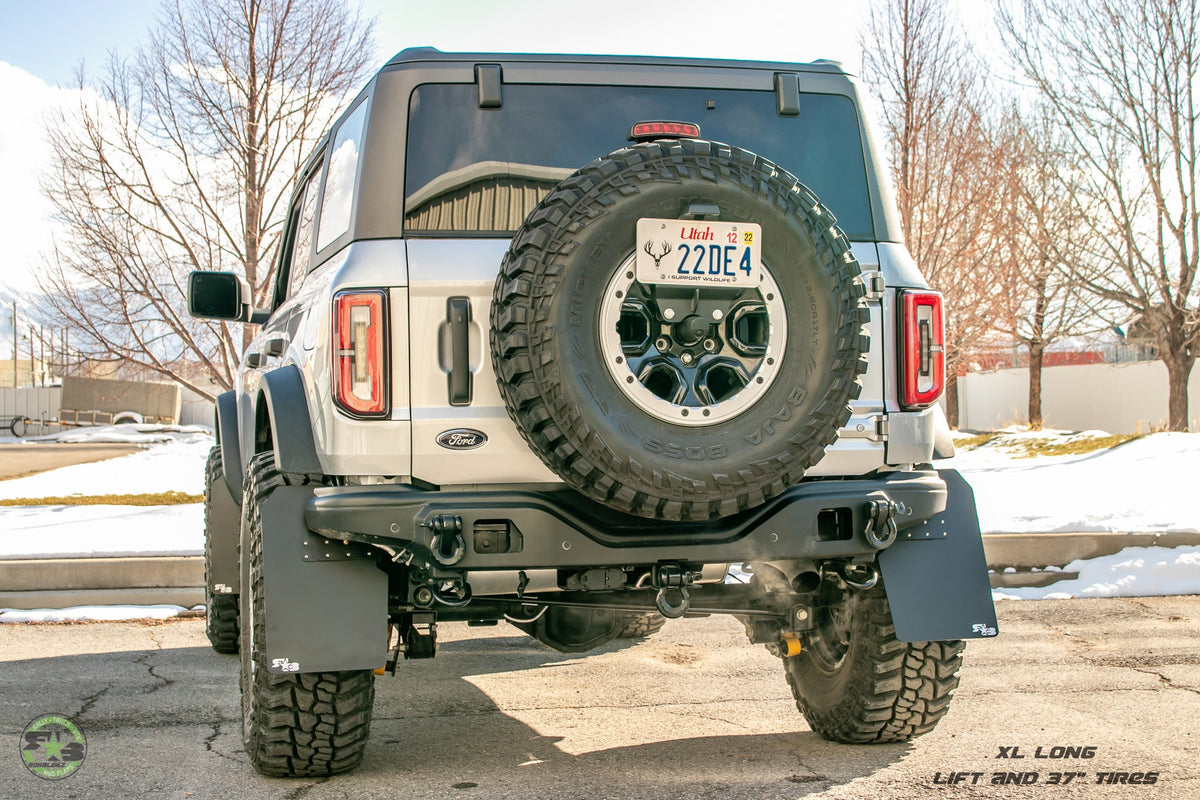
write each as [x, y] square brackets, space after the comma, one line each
[305, 725]
[870, 687]
[221, 618]
[563, 392]
[642, 626]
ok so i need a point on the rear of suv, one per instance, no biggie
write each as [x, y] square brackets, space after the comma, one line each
[558, 341]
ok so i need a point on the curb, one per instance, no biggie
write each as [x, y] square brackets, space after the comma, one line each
[64, 582]
[1027, 550]
[181, 596]
[179, 580]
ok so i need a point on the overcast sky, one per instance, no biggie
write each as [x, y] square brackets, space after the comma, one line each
[42, 43]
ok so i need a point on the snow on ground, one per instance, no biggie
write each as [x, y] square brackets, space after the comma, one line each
[125, 434]
[1144, 485]
[1148, 484]
[1133, 572]
[104, 531]
[91, 613]
[173, 461]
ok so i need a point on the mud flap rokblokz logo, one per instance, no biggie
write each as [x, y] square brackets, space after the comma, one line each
[52, 747]
[983, 629]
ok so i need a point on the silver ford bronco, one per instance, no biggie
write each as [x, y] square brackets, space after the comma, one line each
[561, 341]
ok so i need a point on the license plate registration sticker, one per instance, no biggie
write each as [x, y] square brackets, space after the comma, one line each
[691, 253]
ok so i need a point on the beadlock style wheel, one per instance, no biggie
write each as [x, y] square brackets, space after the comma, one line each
[693, 369]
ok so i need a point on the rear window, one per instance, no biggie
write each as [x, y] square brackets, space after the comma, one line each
[480, 171]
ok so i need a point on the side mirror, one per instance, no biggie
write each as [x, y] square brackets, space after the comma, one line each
[218, 295]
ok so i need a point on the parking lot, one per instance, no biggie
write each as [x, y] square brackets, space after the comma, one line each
[694, 712]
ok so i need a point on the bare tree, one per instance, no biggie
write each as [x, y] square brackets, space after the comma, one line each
[1046, 237]
[1122, 78]
[946, 161]
[181, 159]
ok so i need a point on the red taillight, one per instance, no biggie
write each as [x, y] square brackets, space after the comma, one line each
[922, 349]
[360, 356]
[664, 130]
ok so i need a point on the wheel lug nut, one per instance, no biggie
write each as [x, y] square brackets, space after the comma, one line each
[661, 343]
[686, 358]
[668, 313]
[718, 313]
[710, 345]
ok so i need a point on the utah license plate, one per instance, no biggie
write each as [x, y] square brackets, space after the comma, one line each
[683, 252]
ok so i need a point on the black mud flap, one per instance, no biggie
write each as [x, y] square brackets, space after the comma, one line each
[326, 602]
[224, 528]
[936, 573]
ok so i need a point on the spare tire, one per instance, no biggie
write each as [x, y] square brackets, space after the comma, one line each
[670, 403]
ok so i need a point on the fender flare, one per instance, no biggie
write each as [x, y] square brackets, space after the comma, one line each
[282, 396]
[226, 428]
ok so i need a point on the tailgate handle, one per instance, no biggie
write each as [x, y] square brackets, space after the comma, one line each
[458, 316]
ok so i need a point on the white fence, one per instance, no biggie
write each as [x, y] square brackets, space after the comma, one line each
[39, 403]
[195, 410]
[1117, 398]
[44, 403]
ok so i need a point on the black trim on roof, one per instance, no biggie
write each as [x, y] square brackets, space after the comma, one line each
[418, 54]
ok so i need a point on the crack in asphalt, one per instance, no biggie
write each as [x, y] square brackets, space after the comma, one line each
[1044, 690]
[1169, 683]
[211, 739]
[1170, 616]
[516, 709]
[144, 660]
[712, 718]
[1084, 649]
[124, 721]
[300, 791]
[91, 700]
[163, 681]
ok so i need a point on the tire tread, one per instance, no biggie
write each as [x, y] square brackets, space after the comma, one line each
[221, 615]
[529, 277]
[897, 690]
[304, 725]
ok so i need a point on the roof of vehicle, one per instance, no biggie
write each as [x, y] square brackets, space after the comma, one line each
[418, 54]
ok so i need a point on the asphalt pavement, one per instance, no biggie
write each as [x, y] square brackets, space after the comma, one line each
[694, 712]
[30, 458]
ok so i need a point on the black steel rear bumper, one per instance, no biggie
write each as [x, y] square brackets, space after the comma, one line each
[508, 530]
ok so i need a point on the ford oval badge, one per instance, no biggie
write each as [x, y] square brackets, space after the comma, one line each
[462, 439]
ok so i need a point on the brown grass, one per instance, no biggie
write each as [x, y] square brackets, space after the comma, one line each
[155, 499]
[1075, 447]
[971, 442]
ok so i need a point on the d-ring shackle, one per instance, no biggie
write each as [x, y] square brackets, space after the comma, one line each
[881, 524]
[664, 606]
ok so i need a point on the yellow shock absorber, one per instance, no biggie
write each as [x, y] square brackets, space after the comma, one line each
[787, 646]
